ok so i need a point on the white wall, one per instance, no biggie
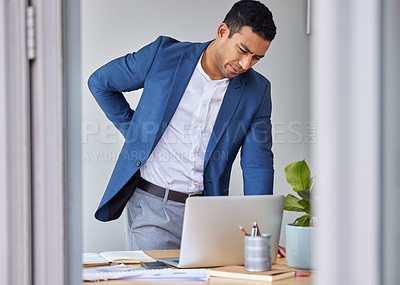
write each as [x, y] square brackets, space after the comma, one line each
[111, 28]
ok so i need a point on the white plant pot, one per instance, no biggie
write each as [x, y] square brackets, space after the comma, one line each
[300, 247]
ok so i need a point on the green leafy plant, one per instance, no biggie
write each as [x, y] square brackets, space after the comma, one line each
[298, 175]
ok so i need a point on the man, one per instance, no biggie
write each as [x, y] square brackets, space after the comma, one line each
[201, 103]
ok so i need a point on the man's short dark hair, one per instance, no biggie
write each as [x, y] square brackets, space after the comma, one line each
[253, 14]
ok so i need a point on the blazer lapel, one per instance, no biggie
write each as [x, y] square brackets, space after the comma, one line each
[228, 108]
[183, 73]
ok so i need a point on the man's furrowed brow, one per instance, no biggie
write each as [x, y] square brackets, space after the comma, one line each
[249, 51]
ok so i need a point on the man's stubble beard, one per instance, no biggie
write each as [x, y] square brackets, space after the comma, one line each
[220, 63]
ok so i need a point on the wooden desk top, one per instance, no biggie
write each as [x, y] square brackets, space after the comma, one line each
[280, 264]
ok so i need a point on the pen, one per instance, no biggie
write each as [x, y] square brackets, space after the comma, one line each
[254, 230]
[243, 230]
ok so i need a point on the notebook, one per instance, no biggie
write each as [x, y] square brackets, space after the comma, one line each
[238, 272]
[211, 235]
[109, 257]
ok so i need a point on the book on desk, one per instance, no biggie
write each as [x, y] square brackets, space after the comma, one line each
[114, 257]
[238, 272]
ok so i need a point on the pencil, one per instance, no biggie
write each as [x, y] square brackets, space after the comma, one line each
[243, 230]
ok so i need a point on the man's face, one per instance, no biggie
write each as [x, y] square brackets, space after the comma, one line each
[237, 54]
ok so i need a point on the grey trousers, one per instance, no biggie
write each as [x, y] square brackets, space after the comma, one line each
[153, 222]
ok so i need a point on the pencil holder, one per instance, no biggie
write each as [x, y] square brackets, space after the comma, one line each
[257, 253]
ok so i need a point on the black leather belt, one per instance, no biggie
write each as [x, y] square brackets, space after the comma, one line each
[160, 191]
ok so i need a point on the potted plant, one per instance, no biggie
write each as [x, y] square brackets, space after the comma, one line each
[300, 234]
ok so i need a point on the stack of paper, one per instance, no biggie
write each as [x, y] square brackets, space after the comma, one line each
[134, 272]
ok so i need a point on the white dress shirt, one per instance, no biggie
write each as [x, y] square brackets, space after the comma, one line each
[177, 161]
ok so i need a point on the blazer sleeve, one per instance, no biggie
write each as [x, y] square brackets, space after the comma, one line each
[256, 154]
[123, 74]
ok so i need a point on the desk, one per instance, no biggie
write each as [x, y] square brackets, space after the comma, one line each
[281, 264]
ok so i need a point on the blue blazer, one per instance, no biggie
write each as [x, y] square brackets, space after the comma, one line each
[163, 69]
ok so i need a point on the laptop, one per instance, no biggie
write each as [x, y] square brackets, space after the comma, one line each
[211, 235]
